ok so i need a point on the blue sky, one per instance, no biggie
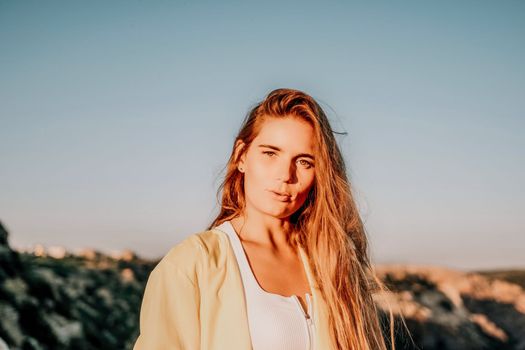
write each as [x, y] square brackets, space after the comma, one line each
[117, 117]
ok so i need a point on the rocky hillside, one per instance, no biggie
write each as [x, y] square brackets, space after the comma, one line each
[88, 301]
[92, 301]
[448, 309]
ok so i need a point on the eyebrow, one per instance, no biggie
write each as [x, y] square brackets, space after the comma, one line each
[306, 155]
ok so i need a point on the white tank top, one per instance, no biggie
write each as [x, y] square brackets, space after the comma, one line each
[276, 322]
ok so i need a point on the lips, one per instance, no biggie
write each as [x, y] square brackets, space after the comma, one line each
[282, 196]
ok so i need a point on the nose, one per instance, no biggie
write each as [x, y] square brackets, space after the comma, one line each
[286, 171]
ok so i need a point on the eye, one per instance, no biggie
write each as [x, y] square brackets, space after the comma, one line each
[269, 153]
[306, 163]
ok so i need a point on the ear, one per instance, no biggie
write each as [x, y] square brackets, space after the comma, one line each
[239, 146]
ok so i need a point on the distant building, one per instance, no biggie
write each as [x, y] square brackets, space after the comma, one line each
[39, 250]
[57, 252]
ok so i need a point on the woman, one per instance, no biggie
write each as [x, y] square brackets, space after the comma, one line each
[285, 263]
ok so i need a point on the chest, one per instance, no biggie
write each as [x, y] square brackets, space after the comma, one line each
[277, 274]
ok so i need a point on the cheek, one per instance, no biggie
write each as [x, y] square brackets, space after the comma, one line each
[307, 182]
[258, 172]
[256, 178]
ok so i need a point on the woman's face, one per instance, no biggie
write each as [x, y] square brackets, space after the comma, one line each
[278, 167]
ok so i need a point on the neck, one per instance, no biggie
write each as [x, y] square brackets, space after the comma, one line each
[264, 230]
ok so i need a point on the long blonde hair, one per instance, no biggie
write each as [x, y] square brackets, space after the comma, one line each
[327, 226]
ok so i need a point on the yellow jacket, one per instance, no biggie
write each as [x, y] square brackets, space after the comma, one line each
[194, 299]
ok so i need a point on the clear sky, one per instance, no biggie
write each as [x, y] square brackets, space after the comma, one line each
[117, 117]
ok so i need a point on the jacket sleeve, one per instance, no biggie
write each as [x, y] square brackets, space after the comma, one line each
[169, 314]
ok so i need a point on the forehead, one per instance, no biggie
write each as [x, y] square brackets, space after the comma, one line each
[289, 134]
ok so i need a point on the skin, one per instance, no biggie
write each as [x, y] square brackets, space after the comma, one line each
[263, 226]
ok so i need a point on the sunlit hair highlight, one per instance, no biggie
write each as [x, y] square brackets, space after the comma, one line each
[328, 225]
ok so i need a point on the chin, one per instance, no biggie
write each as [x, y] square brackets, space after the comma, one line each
[277, 213]
[280, 210]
